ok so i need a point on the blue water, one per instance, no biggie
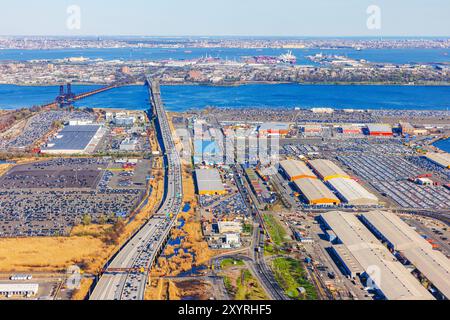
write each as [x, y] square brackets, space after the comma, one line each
[181, 98]
[443, 145]
[397, 56]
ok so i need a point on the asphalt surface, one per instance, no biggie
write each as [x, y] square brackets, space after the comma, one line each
[125, 278]
[258, 263]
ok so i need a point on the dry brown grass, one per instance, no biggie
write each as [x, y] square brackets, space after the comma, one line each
[93, 230]
[4, 168]
[82, 292]
[49, 254]
[155, 290]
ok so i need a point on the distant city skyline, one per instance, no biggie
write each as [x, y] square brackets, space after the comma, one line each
[327, 18]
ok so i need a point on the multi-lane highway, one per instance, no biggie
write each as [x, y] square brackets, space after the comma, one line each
[125, 278]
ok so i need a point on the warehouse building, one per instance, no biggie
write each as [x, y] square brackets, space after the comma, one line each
[365, 256]
[352, 192]
[350, 130]
[399, 236]
[312, 129]
[294, 170]
[315, 192]
[441, 159]
[380, 130]
[274, 128]
[229, 227]
[327, 170]
[18, 289]
[74, 140]
[209, 182]
[407, 128]
[348, 189]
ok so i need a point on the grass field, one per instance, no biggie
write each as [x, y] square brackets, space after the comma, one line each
[243, 286]
[231, 262]
[290, 274]
[275, 229]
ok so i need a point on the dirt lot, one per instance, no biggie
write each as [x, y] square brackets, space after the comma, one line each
[179, 290]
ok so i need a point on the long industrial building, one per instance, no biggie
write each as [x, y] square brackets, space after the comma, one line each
[327, 169]
[315, 192]
[75, 139]
[350, 191]
[380, 130]
[441, 159]
[432, 264]
[209, 182]
[359, 250]
[19, 289]
[295, 170]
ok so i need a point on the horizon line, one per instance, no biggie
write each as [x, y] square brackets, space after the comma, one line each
[225, 36]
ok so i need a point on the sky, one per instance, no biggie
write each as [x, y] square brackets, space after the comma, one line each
[226, 17]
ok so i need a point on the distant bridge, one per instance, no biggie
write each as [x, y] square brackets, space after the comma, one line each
[65, 99]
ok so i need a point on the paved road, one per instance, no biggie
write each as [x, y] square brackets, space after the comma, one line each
[139, 254]
[258, 264]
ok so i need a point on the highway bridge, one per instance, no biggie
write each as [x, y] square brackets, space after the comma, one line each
[64, 99]
[139, 254]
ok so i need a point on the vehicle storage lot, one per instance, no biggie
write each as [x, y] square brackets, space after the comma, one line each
[389, 176]
[50, 197]
[55, 174]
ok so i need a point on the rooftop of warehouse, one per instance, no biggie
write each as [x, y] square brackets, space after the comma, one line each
[73, 138]
[209, 180]
[296, 168]
[351, 189]
[327, 168]
[394, 280]
[433, 264]
[315, 189]
[274, 126]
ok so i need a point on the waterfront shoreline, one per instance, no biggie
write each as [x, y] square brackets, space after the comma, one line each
[181, 96]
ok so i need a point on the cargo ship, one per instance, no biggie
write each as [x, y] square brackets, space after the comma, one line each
[287, 58]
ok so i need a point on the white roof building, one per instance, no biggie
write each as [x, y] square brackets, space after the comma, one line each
[401, 237]
[295, 170]
[18, 289]
[366, 252]
[353, 193]
[441, 159]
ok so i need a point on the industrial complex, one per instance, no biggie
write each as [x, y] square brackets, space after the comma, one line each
[209, 182]
[75, 139]
[365, 256]
[433, 266]
[223, 203]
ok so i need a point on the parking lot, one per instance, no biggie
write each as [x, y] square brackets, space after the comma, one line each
[39, 125]
[50, 197]
[389, 176]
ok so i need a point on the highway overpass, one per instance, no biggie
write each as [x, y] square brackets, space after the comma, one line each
[126, 276]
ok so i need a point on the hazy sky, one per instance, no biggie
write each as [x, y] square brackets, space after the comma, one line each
[226, 17]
